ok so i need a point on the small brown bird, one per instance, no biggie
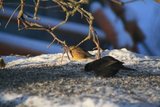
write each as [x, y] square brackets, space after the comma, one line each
[78, 53]
[2, 63]
[106, 66]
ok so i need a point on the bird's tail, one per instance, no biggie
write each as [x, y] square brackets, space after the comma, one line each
[126, 68]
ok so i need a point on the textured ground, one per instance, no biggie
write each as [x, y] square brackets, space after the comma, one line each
[41, 80]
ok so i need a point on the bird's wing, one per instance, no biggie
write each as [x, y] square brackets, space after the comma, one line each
[106, 65]
[80, 51]
[109, 58]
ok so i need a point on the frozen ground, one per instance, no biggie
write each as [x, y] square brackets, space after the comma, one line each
[43, 81]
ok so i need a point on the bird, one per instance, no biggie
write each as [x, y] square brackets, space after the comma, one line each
[106, 66]
[2, 63]
[78, 53]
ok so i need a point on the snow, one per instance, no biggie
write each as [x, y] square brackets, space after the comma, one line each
[98, 96]
[38, 101]
[55, 59]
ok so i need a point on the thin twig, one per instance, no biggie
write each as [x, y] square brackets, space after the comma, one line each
[12, 16]
[51, 43]
[36, 9]
[70, 8]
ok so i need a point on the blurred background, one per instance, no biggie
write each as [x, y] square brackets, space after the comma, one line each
[135, 26]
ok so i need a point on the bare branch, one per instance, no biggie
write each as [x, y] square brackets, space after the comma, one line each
[69, 7]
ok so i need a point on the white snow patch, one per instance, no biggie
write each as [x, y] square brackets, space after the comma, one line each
[129, 58]
[39, 101]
